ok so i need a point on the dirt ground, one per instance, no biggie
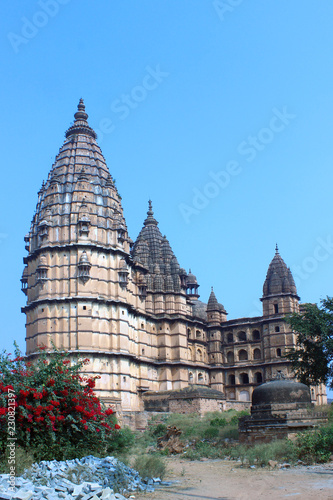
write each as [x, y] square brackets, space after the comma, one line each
[226, 480]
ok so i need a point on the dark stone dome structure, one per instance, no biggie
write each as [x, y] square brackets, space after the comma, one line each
[280, 408]
[281, 392]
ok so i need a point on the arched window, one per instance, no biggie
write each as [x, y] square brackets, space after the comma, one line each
[277, 329]
[276, 308]
[189, 332]
[278, 352]
[230, 338]
[230, 357]
[242, 355]
[200, 377]
[258, 377]
[244, 378]
[242, 336]
[231, 380]
[255, 335]
[257, 354]
[198, 334]
[199, 355]
[190, 377]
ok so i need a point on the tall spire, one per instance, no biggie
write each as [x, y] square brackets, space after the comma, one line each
[80, 125]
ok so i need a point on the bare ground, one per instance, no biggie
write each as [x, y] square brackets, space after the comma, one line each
[227, 480]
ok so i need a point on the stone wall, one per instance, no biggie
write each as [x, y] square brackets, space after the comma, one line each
[195, 405]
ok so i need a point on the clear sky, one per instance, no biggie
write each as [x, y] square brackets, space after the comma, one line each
[220, 112]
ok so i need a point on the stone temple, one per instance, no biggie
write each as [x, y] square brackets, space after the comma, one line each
[129, 306]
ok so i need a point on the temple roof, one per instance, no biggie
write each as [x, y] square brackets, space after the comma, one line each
[153, 251]
[213, 305]
[78, 178]
[279, 279]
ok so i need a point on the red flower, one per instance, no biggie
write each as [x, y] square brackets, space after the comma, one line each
[52, 418]
[3, 411]
[79, 408]
[109, 411]
[61, 417]
[51, 382]
[117, 426]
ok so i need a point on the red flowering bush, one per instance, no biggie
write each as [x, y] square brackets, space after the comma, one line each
[57, 414]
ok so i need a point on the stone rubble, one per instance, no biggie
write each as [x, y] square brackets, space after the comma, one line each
[89, 478]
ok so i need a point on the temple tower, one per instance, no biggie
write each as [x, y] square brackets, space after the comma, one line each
[77, 277]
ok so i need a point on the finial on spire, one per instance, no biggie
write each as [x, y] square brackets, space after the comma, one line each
[80, 125]
[150, 208]
[212, 288]
[81, 111]
[276, 248]
[150, 219]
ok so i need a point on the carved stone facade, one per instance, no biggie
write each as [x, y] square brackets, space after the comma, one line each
[130, 307]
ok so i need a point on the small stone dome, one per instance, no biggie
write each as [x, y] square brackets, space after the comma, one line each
[281, 391]
[191, 279]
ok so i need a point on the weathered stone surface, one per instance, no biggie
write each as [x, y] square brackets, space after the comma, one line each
[107, 474]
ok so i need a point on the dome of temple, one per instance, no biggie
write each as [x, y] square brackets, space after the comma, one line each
[153, 250]
[281, 391]
[191, 279]
[279, 278]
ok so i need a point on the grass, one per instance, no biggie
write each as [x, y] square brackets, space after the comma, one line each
[213, 436]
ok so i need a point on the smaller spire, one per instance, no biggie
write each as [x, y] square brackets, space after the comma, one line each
[212, 304]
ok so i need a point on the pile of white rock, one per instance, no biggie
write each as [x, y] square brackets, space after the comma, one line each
[89, 478]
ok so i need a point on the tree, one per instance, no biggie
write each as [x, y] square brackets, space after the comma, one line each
[50, 407]
[312, 358]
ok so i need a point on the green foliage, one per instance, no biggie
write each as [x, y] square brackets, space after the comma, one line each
[158, 431]
[315, 446]
[218, 422]
[211, 433]
[261, 454]
[235, 418]
[150, 466]
[312, 358]
[229, 432]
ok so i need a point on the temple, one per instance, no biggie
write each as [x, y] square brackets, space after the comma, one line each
[129, 306]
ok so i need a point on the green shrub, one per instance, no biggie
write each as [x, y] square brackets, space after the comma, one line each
[211, 433]
[150, 466]
[260, 454]
[315, 446]
[218, 422]
[158, 431]
[229, 432]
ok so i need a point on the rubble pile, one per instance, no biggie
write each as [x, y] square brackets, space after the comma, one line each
[89, 478]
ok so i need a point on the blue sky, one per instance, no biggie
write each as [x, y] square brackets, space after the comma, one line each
[220, 112]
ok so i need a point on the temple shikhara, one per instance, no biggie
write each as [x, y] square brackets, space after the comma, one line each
[130, 308]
